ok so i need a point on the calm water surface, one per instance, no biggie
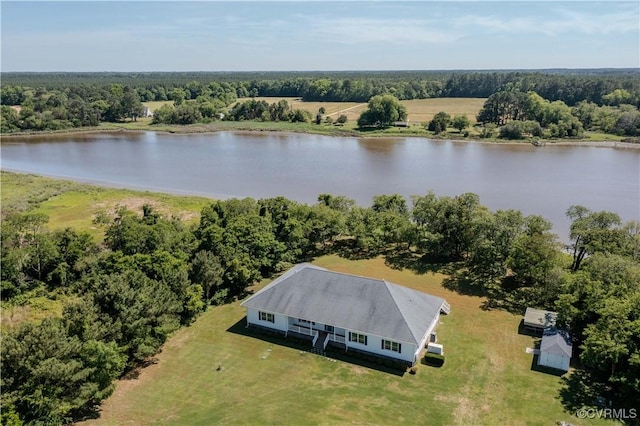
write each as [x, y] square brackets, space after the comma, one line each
[543, 181]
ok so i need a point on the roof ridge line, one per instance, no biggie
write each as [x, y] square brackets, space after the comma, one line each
[387, 284]
[352, 275]
[294, 270]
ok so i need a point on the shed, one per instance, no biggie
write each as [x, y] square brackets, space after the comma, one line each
[555, 349]
[538, 319]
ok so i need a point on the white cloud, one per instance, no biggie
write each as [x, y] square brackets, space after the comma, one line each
[556, 21]
[387, 30]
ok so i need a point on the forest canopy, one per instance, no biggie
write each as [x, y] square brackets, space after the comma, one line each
[151, 275]
[604, 99]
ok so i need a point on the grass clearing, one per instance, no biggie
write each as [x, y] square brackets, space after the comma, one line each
[423, 110]
[75, 205]
[214, 372]
[418, 110]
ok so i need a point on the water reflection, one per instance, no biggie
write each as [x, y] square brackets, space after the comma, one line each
[542, 181]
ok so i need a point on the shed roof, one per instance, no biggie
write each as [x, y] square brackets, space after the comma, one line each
[352, 302]
[540, 318]
[556, 342]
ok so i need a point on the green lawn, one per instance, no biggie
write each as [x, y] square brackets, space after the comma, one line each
[215, 372]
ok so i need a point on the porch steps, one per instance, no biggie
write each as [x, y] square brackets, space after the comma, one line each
[320, 342]
[317, 351]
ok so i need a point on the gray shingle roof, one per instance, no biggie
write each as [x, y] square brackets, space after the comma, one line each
[557, 342]
[357, 303]
[540, 318]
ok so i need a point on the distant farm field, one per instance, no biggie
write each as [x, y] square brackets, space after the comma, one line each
[418, 110]
[423, 110]
[218, 372]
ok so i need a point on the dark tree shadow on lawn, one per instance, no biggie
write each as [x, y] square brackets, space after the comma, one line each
[304, 344]
[420, 264]
[349, 249]
[527, 331]
[580, 390]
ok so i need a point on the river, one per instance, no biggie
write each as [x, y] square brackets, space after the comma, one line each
[545, 180]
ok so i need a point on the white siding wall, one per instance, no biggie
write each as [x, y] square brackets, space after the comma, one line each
[281, 322]
[554, 361]
[374, 345]
[430, 330]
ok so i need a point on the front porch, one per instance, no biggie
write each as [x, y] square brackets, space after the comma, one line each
[320, 335]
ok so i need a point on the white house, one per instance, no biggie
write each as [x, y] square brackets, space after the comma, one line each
[555, 349]
[347, 311]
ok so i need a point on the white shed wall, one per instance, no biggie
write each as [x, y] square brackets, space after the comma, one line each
[560, 362]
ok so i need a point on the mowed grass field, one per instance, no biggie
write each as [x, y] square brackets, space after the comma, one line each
[215, 372]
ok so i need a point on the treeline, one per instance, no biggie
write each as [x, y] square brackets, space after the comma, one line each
[570, 86]
[78, 100]
[519, 113]
[85, 105]
[199, 112]
[151, 275]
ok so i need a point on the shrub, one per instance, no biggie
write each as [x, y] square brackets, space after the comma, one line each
[512, 130]
[488, 131]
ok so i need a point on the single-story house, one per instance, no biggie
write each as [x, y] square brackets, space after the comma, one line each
[537, 319]
[347, 311]
[555, 349]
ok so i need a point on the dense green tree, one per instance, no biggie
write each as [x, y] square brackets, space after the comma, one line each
[9, 122]
[617, 97]
[512, 130]
[445, 223]
[495, 236]
[502, 107]
[166, 114]
[534, 253]
[439, 123]
[382, 110]
[47, 375]
[593, 232]
[206, 270]
[461, 122]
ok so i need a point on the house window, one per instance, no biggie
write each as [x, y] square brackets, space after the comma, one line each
[358, 338]
[304, 321]
[266, 316]
[329, 329]
[388, 345]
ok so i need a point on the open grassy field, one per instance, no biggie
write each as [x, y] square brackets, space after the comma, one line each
[75, 205]
[333, 109]
[217, 372]
[418, 110]
[423, 110]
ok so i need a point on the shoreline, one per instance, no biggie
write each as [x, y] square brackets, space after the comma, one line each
[344, 134]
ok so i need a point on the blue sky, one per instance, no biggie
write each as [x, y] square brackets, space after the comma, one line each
[306, 35]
